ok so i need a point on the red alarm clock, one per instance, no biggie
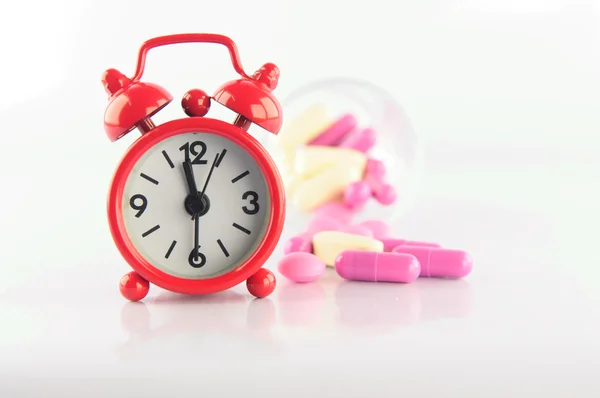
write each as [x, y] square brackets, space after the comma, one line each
[196, 205]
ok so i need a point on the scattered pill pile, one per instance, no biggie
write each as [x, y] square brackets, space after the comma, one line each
[328, 161]
[365, 252]
[330, 173]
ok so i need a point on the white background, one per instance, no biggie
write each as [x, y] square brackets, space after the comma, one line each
[504, 95]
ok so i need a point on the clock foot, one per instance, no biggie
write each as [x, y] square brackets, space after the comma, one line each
[133, 287]
[261, 284]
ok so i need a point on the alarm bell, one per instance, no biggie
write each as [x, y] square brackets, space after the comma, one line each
[131, 104]
[253, 100]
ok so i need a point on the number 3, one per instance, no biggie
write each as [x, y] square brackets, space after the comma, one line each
[253, 202]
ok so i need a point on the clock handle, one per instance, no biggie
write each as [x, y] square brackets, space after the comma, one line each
[188, 38]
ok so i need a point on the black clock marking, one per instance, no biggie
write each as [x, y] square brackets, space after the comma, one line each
[236, 179]
[225, 252]
[200, 262]
[170, 249]
[148, 232]
[168, 159]
[253, 201]
[152, 180]
[192, 149]
[141, 208]
[244, 230]
[218, 162]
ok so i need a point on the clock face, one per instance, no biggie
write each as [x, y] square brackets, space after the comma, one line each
[159, 210]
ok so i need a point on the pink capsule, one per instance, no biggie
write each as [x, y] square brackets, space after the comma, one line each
[356, 230]
[357, 194]
[380, 229]
[439, 263]
[338, 211]
[390, 243]
[301, 267]
[297, 244]
[323, 223]
[334, 133]
[368, 266]
[375, 169]
[383, 192]
[361, 140]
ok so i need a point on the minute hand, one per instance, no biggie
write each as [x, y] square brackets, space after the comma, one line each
[212, 167]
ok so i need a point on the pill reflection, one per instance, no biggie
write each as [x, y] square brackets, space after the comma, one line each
[444, 298]
[377, 305]
[301, 304]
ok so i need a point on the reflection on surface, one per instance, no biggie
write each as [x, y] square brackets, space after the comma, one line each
[384, 306]
[186, 319]
[235, 318]
[301, 304]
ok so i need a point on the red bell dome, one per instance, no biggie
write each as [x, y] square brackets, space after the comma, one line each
[253, 99]
[130, 103]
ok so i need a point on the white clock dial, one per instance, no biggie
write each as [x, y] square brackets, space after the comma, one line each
[162, 229]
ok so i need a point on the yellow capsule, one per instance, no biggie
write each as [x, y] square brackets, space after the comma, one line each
[327, 245]
[310, 160]
[324, 187]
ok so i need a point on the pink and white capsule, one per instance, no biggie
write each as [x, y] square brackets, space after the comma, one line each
[361, 140]
[375, 169]
[367, 266]
[323, 223]
[380, 229]
[335, 132]
[390, 243]
[357, 194]
[338, 211]
[356, 230]
[439, 263]
[383, 192]
[298, 244]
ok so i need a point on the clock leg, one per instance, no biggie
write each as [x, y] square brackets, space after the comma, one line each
[133, 287]
[262, 283]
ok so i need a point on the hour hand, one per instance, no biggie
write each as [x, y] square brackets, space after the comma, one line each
[189, 177]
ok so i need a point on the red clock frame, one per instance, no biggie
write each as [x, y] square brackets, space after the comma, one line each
[244, 270]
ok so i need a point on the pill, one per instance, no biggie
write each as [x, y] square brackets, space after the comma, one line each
[440, 263]
[327, 245]
[356, 230]
[375, 168]
[323, 223]
[337, 210]
[380, 229]
[361, 140]
[359, 265]
[383, 192]
[336, 131]
[390, 243]
[324, 187]
[301, 267]
[310, 161]
[357, 194]
[304, 128]
[297, 244]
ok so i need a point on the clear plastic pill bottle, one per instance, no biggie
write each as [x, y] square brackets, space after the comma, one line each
[346, 109]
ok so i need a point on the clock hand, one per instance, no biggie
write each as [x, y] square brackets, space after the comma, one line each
[191, 182]
[196, 233]
[209, 175]
[189, 176]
